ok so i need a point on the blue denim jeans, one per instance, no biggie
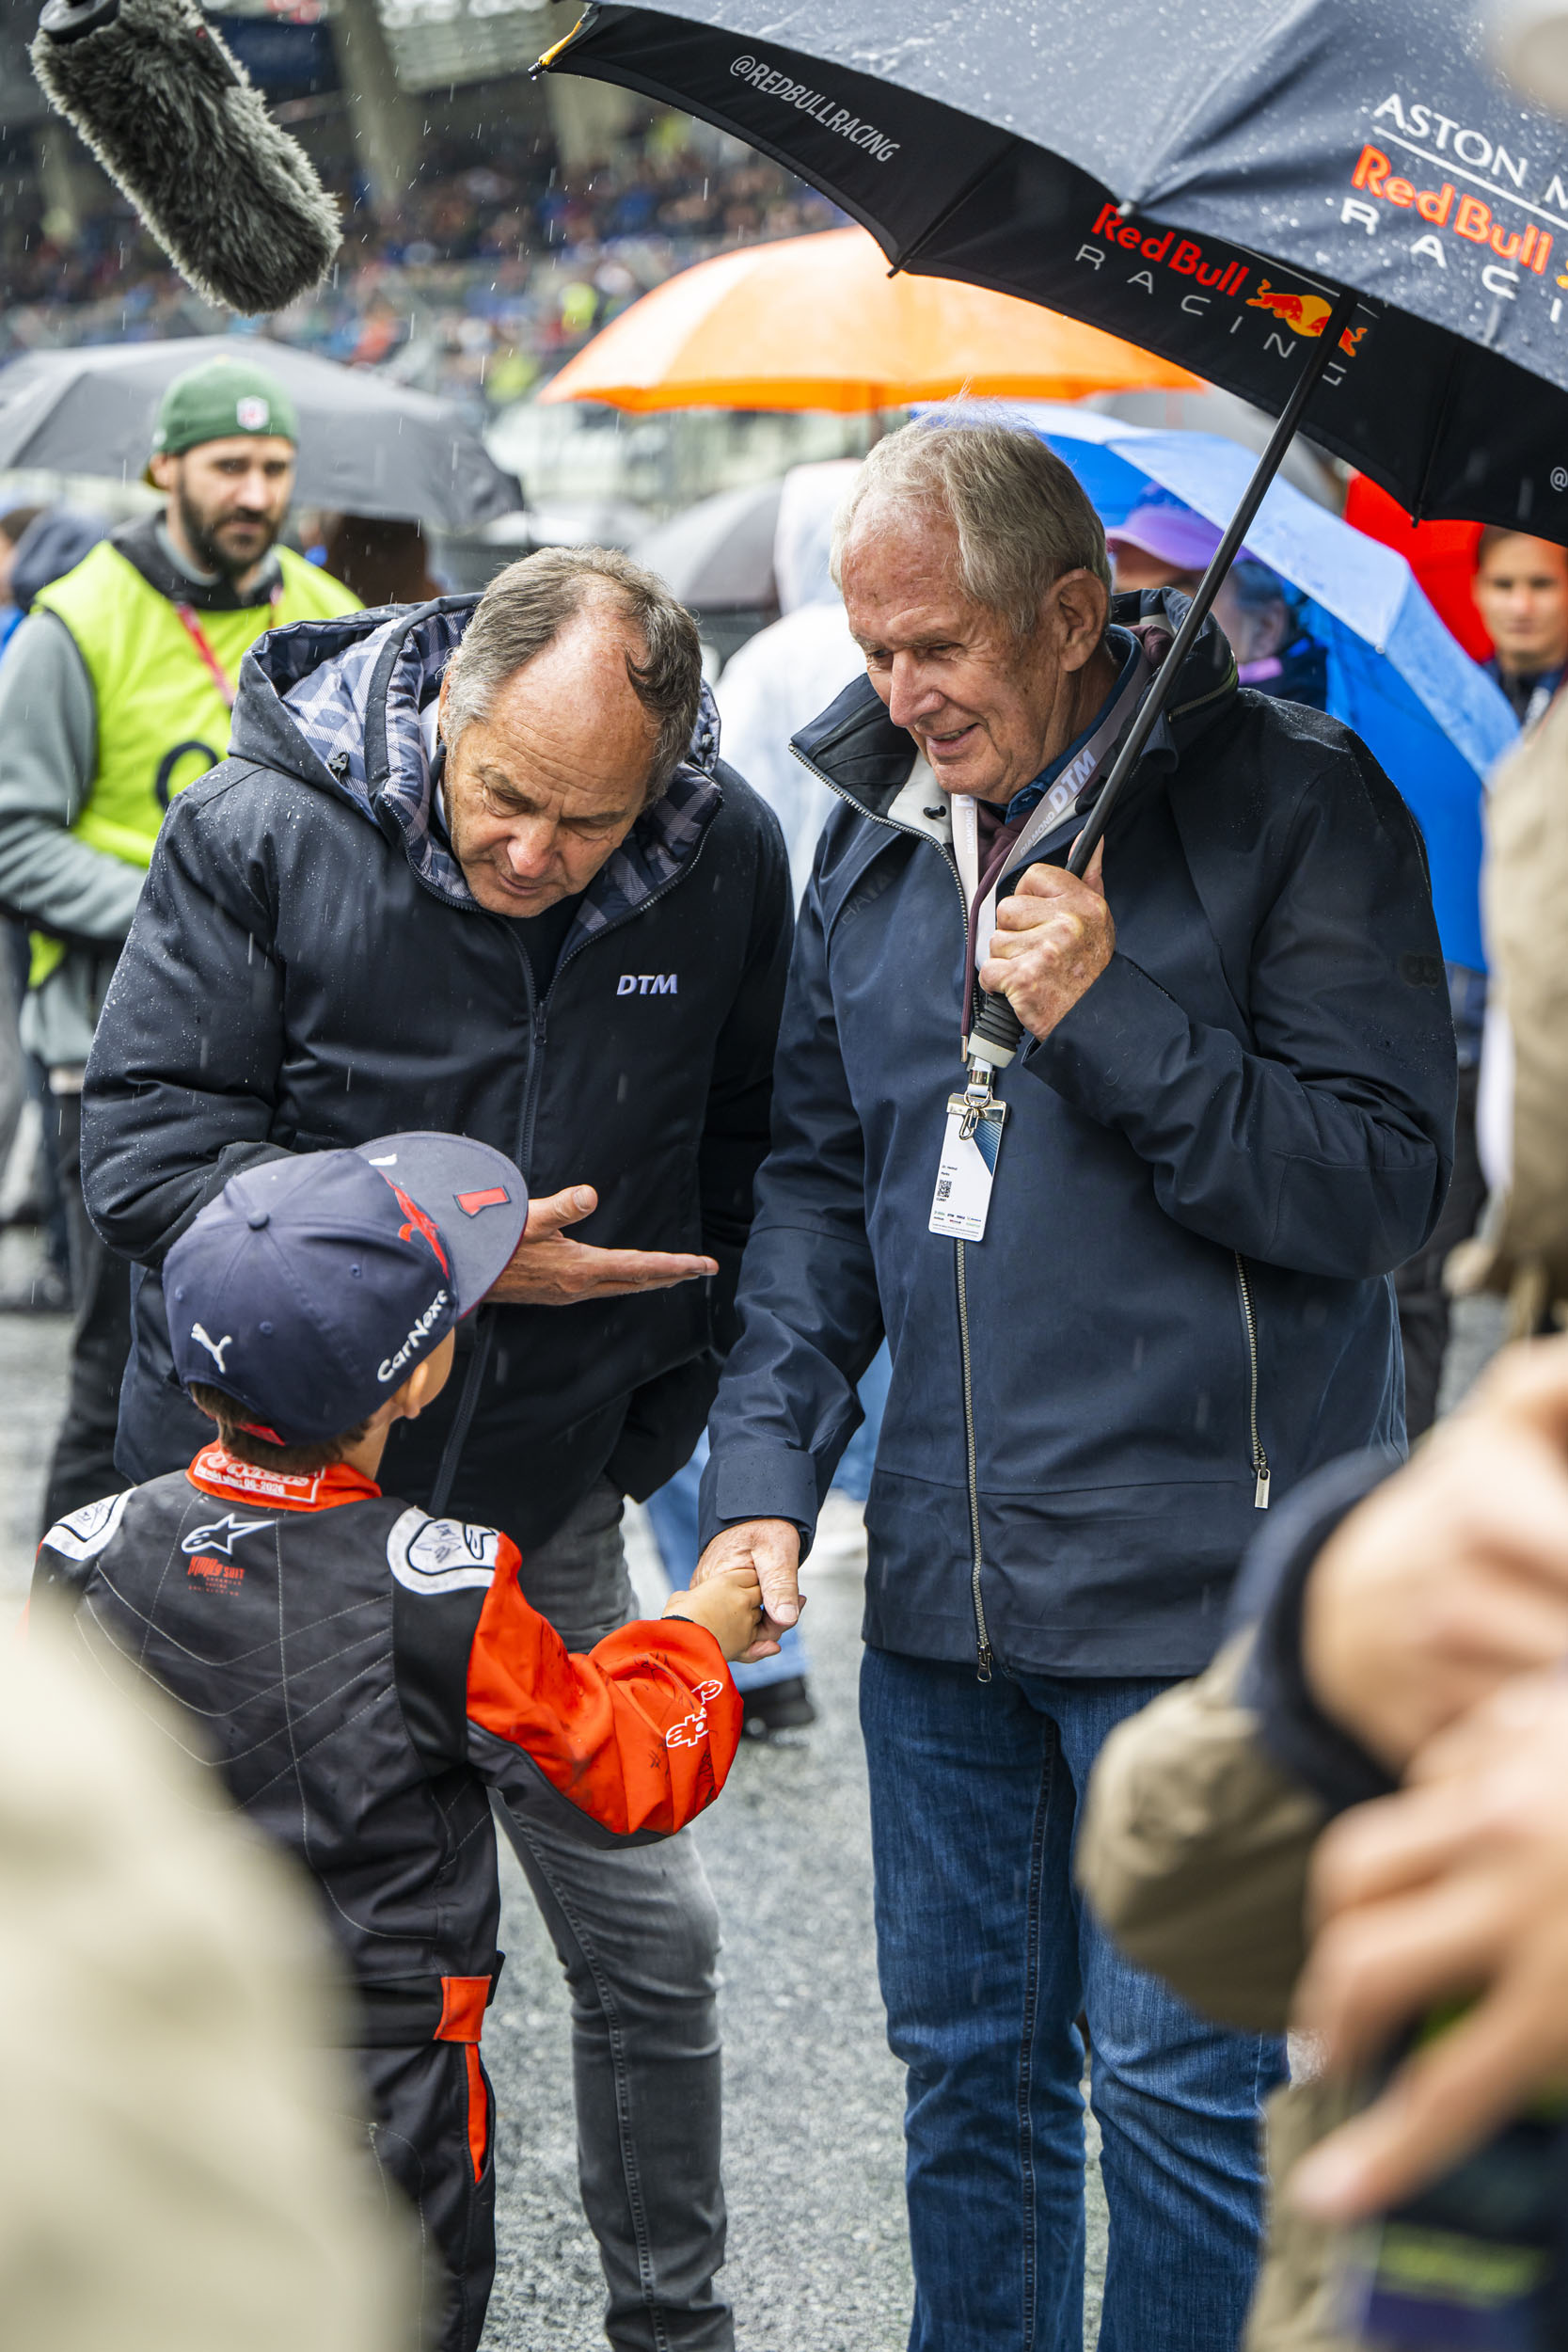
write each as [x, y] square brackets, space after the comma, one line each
[987, 1957]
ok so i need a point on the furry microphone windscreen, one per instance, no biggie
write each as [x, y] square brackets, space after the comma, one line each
[173, 119]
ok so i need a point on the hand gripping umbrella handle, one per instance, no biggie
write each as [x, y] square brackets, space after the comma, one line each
[997, 1027]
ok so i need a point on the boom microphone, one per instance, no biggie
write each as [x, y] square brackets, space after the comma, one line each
[172, 118]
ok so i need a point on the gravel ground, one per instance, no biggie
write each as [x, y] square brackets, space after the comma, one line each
[813, 2155]
[818, 2260]
[34, 1351]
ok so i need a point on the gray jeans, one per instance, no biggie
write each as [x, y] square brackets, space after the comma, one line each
[637, 1931]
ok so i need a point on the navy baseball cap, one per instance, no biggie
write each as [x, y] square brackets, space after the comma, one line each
[310, 1289]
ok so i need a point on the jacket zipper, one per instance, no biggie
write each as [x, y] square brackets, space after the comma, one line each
[983, 1657]
[468, 1398]
[982, 1638]
[1260, 1459]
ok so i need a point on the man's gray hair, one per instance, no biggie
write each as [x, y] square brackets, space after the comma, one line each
[525, 608]
[1021, 518]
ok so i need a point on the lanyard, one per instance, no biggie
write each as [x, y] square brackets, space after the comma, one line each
[210, 662]
[1048, 812]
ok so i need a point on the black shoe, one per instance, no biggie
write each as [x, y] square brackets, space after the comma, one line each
[779, 1706]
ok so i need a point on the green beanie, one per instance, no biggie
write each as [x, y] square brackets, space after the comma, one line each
[217, 400]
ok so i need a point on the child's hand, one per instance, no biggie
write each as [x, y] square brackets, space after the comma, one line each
[728, 1603]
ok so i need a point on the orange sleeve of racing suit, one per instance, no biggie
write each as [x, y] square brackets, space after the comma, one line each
[640, 1733]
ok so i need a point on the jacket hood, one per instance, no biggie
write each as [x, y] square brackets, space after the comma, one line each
[343, 704]
[856, 745]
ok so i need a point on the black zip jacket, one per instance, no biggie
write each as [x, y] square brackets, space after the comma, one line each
[1181, 1303]
[307, 969]
[362, 1674]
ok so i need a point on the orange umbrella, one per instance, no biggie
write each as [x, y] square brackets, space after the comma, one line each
[817, 323]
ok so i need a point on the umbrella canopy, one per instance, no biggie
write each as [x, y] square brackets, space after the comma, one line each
[1433, 720]
[719, 552]
[366, 447]
[1204, 183]
[818, 322]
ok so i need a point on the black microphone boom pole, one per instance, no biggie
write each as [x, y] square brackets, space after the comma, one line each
[993, 1039]
[173, 119]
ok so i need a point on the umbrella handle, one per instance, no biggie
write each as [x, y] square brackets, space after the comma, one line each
[997, 1027]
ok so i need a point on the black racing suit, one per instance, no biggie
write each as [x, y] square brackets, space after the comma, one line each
[364, 1675]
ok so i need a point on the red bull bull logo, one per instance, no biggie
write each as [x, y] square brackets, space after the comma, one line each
[1304, 315]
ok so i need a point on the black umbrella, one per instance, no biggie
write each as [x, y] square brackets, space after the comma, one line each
[1203, 180]
[719, 555]
[366, 445]
[1331, 209]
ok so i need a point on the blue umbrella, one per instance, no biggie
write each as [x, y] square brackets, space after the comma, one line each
[1433, 720]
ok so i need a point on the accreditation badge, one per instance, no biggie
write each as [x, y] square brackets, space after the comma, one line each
[967, 1168]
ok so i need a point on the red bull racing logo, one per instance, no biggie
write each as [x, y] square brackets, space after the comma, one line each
[1213, 279]
[1466, 216]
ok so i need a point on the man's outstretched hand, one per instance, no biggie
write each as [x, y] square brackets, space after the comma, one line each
[772, 1548]
[548, 1270]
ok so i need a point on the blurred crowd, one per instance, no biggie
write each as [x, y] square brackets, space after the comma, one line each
[484, 277]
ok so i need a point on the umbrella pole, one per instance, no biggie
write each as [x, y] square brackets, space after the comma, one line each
[997, 1028]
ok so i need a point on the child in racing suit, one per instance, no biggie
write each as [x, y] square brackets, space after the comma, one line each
[364, 1675]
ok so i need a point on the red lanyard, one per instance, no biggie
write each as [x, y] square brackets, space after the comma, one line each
[212, 666]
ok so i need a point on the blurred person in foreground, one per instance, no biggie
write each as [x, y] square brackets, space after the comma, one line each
[1385, 1638]
[115, 695]
[178, 2169]
[476, 866]
[1521, 592]
[1228, 1120]
[1246, 1841]
[400, 1645]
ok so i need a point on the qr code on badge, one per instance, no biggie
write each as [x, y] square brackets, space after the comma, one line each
[944, 1188]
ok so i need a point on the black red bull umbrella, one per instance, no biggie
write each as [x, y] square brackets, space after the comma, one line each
[1332, 209]
[1204, 182]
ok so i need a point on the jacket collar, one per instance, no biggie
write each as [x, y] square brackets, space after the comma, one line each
[142, 545]
[856, 748]
[340, 702]
[223, 1475]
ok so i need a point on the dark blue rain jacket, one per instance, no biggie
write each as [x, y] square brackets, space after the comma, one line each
[307, 969]
[1247, 1120]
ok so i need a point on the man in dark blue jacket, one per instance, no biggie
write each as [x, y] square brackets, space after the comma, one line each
[476, 868]
[1230, 1118]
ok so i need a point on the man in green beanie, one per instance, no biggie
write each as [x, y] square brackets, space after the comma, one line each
[116, 694]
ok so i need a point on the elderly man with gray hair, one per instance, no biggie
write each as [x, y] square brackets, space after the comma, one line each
[1134, 1320]
[475, 866]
